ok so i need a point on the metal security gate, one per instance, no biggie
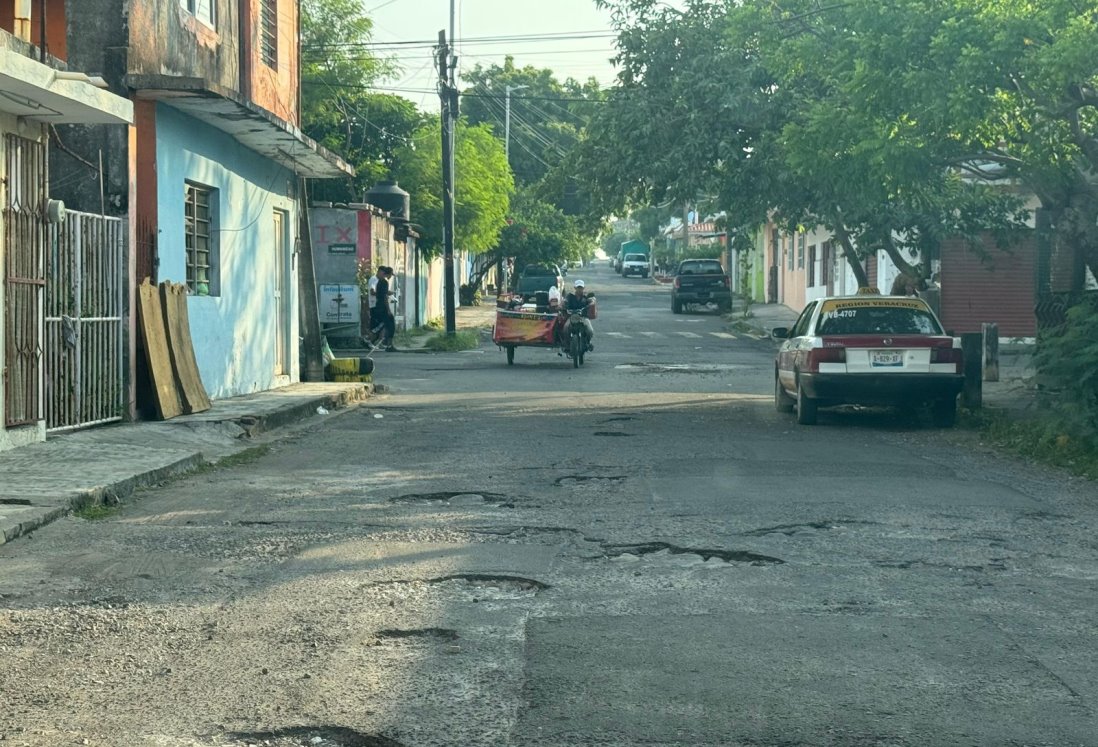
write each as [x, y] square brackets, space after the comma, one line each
[24, 246]
[85, 303]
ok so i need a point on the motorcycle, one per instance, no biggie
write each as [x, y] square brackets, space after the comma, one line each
[578, 340]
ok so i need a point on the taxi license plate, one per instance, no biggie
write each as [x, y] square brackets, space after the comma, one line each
[886, 359]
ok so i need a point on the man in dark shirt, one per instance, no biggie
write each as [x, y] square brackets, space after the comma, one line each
[381, 314]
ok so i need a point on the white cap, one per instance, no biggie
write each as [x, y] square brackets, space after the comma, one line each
[578, 284]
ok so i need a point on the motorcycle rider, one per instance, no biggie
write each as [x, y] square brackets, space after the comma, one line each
[578, 300]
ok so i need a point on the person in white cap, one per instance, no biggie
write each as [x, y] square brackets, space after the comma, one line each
[578, 300]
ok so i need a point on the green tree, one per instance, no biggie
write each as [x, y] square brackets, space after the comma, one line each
[539, 233]
[483, 185]
[764, 106]
[547, 121]
[338, 109]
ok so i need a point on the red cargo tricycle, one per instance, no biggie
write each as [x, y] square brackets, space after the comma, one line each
[534, 326]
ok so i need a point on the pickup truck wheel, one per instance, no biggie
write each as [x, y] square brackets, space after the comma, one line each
[782, 401]
[943, 412]
[676, 305]
[806, 407]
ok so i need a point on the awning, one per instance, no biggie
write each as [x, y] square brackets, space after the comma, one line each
[40, 93]
[250, 125]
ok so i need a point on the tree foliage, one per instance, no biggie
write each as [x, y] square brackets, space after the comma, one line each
[548, 117]
[771, 108]
[338, 109]
[483, 185]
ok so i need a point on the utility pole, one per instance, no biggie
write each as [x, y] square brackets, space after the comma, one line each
[447, 94]
[507, 122]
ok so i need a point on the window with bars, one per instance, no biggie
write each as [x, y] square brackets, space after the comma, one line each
[268, 32]
[203, 10]
[199, 225]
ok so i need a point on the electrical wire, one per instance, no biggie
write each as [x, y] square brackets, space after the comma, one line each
[463, 94]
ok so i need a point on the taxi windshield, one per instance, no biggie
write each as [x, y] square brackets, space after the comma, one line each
[877, 319]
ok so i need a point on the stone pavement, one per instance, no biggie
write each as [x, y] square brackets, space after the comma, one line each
[41, 482]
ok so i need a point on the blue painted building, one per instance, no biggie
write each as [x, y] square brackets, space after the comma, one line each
[211, 176]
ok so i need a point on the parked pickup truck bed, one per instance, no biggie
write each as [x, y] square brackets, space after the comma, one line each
[701, 281]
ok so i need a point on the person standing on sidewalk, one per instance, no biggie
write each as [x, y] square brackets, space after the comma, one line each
[381, 315]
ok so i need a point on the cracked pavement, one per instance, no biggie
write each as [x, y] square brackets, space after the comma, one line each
[483, 564]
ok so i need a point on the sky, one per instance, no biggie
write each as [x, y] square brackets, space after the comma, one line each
[421, 20]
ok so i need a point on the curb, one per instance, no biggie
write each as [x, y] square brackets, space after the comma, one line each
[256, 425]
[39, 516]
[18, 518]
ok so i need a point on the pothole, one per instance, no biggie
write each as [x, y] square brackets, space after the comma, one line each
[455, 498]
[617, 434]
[314, 736]
[440, 634]
[790, 529]
[728, 556]
[576, 479]
[688, 368]
[493, 582]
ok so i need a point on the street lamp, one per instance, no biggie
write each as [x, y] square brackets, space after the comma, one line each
[507, 123]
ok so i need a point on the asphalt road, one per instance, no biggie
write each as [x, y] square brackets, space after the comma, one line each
[638, 552]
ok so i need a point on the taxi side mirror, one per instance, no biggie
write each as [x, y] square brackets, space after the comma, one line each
[780, 333]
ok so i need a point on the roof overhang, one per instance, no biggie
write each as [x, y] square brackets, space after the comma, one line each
[252, 126]
[41, 93]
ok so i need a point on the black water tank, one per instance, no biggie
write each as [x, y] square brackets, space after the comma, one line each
[390, 198]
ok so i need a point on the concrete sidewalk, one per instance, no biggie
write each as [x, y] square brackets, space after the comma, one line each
[41, 482]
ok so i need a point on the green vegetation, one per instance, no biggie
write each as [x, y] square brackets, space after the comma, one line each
[97, 511]
[406, 337]
[240, 458]
[1041, 438]
[462, 340]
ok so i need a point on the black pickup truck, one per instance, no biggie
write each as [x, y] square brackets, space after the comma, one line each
[700, 282]
[536, 278]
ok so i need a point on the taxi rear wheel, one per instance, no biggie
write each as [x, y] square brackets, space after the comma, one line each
[782, 401]
[806, 407]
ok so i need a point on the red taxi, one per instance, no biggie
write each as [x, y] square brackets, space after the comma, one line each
[867, 350]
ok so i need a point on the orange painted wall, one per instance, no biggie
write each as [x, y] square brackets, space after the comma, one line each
[55, 24]
[274, 89]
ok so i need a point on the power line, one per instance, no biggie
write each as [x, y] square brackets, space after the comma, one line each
[507, 39]
[400, 89]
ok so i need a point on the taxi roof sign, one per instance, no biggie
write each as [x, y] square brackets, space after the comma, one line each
[869, 290]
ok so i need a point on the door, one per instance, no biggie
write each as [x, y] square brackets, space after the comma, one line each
[282, 326]
[24, 239]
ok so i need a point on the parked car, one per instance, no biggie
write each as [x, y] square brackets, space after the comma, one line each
[536, 278]
[699, 282]
[635, 264]
[867, 350]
